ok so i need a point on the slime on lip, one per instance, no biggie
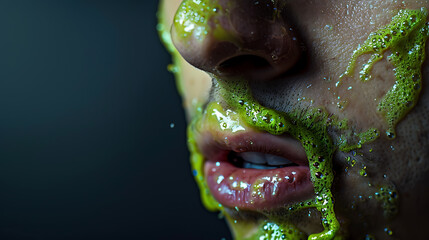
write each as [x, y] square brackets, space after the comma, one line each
[405, 36]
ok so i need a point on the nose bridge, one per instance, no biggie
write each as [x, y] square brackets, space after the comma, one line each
[235, 38]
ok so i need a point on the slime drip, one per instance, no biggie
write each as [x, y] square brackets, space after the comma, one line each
[309, 127]
[272, 231]
[405, 36]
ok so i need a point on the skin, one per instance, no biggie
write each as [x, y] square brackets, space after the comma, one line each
[365, 178]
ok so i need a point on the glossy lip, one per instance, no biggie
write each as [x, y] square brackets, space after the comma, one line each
[255, 189]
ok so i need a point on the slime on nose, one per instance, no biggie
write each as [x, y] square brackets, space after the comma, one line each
[192, 19]
[236, 38]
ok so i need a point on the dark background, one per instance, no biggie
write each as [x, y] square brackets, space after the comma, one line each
[86, 148]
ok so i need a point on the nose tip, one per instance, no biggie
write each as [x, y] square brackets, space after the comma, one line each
[236, 38]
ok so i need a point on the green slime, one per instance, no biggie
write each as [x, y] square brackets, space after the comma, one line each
[405, 36]
[192, 18]
[195, 19]
[310, 128]
[272, 231]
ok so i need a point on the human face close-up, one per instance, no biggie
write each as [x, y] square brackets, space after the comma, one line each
[307, 119]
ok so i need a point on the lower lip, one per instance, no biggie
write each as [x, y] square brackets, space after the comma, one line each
[256, 189]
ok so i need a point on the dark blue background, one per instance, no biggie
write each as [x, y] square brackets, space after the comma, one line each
[86, 148]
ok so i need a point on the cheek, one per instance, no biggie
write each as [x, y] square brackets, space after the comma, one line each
[409, 163]
[332, 49]
[353, 99]
[194, 86]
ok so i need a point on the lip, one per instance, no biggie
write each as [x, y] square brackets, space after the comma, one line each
[255, 189]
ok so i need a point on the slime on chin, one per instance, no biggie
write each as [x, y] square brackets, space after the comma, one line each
[405, 36]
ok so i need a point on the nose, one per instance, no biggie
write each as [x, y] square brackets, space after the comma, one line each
[236, 38]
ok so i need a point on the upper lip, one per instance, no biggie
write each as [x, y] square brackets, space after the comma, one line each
[282, 186]
[213, 145]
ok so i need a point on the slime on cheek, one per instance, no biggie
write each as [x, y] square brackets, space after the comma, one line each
[406, 37]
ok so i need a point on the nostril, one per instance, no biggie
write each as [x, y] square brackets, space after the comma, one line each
[242, 61]
[243, 65]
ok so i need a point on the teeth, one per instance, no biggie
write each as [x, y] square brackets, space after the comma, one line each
[253, 157]
[257, 166]
[262, 158]
[276, 160]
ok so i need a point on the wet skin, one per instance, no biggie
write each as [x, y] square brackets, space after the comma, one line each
[378, 187]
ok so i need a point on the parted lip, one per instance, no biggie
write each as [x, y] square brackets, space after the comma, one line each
[254, 189]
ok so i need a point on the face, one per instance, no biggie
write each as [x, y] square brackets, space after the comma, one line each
[307, 118]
